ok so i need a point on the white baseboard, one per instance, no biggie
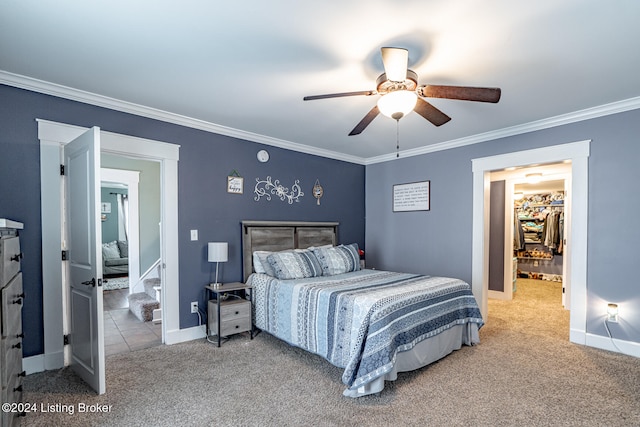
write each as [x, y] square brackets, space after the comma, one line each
[499, 295]
[46, 362]
[33, 364]
[183, 335]
[630, 348]
[577, 336]
[43, 362]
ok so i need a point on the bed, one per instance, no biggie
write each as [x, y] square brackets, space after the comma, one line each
[311, 292]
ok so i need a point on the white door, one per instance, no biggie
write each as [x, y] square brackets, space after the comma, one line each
[82, 171]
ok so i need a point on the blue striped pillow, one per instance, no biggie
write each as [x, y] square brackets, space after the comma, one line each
[339, 259]
[295, 264]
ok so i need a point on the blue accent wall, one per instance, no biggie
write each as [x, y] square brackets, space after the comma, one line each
[204, 204]
[438, 242]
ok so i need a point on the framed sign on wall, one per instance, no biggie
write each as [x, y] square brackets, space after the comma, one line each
[235, 183]
[413, 196]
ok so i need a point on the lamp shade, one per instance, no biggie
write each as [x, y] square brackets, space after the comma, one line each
[397, 104]
[218, 251]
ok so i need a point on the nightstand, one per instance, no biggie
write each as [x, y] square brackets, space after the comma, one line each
[229, 313]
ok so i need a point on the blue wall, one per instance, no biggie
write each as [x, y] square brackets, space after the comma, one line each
[205, 161]
[438, 242]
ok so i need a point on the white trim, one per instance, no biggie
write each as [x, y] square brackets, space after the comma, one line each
[499, 295]
[564, 119]
[630, 348]
[165, 116]
[33, 364]
[170, 271]
[66, 92]
[578, 153]
[53, 296]
[52, 136]
[189, 334]
[114, 143]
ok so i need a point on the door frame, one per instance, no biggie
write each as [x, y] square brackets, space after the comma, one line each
[53, 136]
[578, 154]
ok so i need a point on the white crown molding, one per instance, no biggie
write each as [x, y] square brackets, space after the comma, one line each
[577, 116]
[66, 92]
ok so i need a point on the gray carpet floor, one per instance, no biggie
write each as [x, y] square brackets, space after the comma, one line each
[523, 373]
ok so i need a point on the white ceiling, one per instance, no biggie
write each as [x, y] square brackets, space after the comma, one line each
[242, 68]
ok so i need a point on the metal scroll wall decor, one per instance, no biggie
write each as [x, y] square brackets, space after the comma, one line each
[265, 188]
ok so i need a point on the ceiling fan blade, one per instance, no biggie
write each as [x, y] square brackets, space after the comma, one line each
[431, 113]
[464, 93]
[365, 121]
[338, 95]
[395, 61]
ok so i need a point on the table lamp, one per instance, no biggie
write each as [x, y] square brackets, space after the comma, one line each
[218, 252]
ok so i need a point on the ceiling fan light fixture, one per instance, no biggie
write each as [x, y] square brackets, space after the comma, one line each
[533, 178]
[397, 104]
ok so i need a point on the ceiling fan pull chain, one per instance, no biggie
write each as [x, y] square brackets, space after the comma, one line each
[397, 138]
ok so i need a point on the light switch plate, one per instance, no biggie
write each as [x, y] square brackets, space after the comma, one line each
[194, 235]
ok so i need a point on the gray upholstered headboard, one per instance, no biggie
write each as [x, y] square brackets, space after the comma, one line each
[281, 235]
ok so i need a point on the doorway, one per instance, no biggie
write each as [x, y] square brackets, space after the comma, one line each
[52, 137]
[127, 218]
[576, 270]
[523, 202]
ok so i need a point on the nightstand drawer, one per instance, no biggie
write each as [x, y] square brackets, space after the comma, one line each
[232, 309]
[235, 326]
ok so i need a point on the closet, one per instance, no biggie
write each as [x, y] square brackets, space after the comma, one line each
[538, 236]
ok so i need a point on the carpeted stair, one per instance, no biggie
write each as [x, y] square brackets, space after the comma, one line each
[142, 304]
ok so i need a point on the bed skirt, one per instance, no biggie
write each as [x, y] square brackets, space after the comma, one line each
[423, 354]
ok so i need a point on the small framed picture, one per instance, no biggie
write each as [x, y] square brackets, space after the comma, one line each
[105, 207]
[235, 184]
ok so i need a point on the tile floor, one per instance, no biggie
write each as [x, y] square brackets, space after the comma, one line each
[123, 332]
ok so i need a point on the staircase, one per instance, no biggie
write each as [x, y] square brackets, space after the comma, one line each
[145, 305]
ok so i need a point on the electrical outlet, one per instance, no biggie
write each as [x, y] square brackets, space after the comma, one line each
[194, 235]
[194, 306]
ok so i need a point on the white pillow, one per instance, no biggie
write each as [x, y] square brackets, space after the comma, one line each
[260, 263]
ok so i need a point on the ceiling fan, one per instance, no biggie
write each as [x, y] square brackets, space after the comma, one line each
[401, 94]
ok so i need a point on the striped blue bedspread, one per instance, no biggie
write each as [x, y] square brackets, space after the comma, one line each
[359, 321]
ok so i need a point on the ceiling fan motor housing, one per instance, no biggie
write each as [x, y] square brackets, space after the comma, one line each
[384, 86]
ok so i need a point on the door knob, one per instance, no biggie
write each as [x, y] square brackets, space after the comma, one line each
[91, 282]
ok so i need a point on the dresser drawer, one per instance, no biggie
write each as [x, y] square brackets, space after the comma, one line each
[11, 300]
[9, 258]
[12, 393]
[10, 359]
